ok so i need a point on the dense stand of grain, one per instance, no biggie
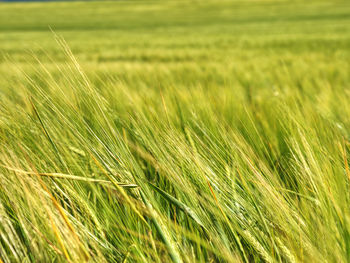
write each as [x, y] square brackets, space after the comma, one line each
[191, 131]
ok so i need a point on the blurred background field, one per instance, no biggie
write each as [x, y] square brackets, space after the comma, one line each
[184, 42]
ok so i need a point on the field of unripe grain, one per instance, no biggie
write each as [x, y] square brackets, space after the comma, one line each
[175, 131]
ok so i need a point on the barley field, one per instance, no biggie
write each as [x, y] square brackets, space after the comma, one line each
[175, 131]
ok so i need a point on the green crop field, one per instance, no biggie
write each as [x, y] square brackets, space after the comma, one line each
[175, 131]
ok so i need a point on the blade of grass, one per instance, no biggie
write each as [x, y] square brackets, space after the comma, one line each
[70, 177]
[178, 204]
